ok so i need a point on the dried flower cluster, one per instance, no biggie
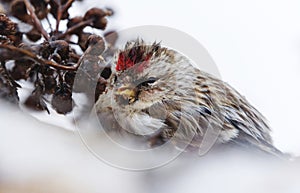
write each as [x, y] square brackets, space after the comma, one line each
[48, 58]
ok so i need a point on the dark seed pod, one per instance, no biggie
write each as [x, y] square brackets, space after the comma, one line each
[33, 35]
[55, 6]
[62, 48]
[110, 11]
[95, 40]
[94, 13]
[47, 71]
[8, 90]
[19, 72]
[82, 41]
[7, 27]
[45, 50]
[16, 38]
[19, 10]
[100, 88]
[62, 100]
[36, 100]
[74, 21]
[69, 78]
[50, 84]
[21, 69]
[95, 45]
[100, 24]
[40, 7]
[98, 17]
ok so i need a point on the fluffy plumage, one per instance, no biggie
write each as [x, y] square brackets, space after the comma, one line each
[156, 92]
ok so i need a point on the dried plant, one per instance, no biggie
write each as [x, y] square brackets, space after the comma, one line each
[48, 58]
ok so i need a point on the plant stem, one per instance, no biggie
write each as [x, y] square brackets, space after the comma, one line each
[75, 27]
[60, 11]
[58, 17]
[67, 5]
[35, 19]
[38, 59]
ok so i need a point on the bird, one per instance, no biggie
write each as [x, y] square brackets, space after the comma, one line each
[157, 93]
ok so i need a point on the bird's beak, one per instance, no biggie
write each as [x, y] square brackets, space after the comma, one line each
[127, 92]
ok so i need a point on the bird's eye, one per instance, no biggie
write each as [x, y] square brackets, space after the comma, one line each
[149, 81]
[115, 79]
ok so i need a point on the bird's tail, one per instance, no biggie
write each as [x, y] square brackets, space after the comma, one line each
[262, 147]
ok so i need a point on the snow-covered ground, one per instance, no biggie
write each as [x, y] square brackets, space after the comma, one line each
[37, 157]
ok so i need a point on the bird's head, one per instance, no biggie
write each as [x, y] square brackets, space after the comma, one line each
[143, 74]
[148, 83]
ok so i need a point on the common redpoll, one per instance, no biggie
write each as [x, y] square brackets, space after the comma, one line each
[153, 91]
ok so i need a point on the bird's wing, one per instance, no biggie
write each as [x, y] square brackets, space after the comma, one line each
[253, 130]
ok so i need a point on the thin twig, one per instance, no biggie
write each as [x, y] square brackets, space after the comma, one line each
[49, 23]
[60, 11]
[35, 19]
[74, 28]
[58, 16]
[67, 5]
[40, 60]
